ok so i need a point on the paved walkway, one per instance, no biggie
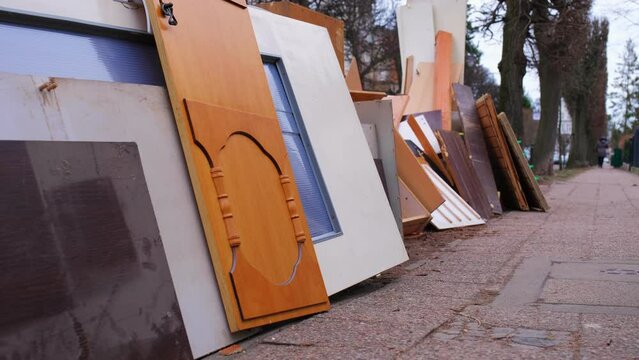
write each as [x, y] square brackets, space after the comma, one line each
[559, 285]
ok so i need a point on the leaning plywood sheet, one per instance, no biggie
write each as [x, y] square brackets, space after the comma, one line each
[80, 110]
[399, 103]
[454, 212]
[474, 139]
[410, 171]
[421, 94]
[409, 72]
[334, 26]
[534, 196]
[80, 244]
[414, 216]
[256, 227]
[460, 168]
[443, 71]
[378, 114]
[505, 173]
[369, 241]
[416, 33]
[428, 144]
[450, 16]
[353, 80]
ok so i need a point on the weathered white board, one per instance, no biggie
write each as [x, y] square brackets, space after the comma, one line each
[370, 240]
[416, 31]
[454, 212]
[428, 132]
[81, 110]
[379, 114]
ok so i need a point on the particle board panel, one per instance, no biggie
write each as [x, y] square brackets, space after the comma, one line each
[353, 81]
[503, 166]
[454, 212]
[358, 96]
[370, 132]
[443, 71]
[409, 72]
[399, 103]
[369, 241]
[428, 146]
[450, 16]
[80, 110]
[82, 255]
[460, 168]
[378, 114]
[534, 196]
[416, 33]
[410, 171]
[422, 91]
[220, 93]
[415, 217]
[476, 144]
[335, 27]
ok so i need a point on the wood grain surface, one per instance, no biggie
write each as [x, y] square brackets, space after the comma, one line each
[476, 144]
[502, 163]
[535, 197]
[443, 74]
[225, 83]
[464, 176]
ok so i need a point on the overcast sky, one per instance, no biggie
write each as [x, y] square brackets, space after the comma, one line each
[624, 23]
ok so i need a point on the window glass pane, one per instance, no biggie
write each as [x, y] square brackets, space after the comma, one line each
[315, 207]
[47, 52]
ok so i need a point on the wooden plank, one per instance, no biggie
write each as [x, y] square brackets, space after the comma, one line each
[231, 85]
[443, 71]
[410, 171]
[358, 96]
[353, 80]
[464, 176]
[422, 90]
[428, 149]
[415, 217]
[408, 74]
[454, 212]
[416, 33]
[335, 27]
[534, 196]
[503, 166]
[474, 139]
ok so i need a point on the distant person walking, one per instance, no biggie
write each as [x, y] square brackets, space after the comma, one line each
[602, 150]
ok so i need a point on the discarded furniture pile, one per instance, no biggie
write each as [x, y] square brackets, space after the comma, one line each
[171, 186]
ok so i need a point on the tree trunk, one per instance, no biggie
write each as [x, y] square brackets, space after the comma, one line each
[579, 150]
[512, 66]
[550, 87]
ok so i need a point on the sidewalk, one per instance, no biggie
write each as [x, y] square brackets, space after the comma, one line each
[559, 285]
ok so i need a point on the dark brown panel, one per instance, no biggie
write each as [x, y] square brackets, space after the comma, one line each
[535, 197]
[433, 118]
[505, 173]
[84, 274]
[459, 166]
[474, 139]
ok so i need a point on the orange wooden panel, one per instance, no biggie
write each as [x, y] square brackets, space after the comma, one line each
[408, 76]
[412, 174]
[503, 166]
[443, 74]
[334, 26]
[422, 90]
[428, 149]
[399, 103]
[353, 80]
[366, 95]
[236, 157]
[535, 197]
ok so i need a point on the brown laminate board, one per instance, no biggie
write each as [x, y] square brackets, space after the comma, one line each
[220, 75]
[464, 176]
[474, 139]
[503, 166]
[535, 197]
[358, 96]
[84, 273]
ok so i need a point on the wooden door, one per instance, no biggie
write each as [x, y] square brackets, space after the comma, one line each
[255, 226]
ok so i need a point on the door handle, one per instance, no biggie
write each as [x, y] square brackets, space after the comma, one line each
[167, 10]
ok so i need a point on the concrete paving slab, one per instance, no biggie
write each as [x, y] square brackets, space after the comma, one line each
[585, 292]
